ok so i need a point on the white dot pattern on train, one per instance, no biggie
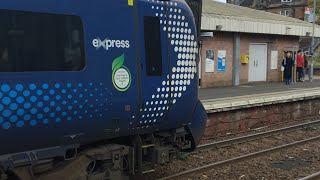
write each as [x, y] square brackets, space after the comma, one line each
[183, 43]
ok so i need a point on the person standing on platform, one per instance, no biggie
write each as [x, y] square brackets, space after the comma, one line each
[288, 63]
[300, 66]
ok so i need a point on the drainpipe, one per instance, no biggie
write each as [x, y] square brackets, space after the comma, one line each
[312, 44]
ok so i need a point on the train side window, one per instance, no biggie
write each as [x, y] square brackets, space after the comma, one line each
[152, 40]
[31, 41]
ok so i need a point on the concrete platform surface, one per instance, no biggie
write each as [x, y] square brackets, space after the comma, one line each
[257, 94]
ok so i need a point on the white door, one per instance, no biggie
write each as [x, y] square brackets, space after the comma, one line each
[258, 62]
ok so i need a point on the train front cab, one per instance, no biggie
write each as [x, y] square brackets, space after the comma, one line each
[168, 66]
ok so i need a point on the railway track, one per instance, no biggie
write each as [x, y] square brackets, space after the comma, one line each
[255, 136]
[314, 176]
[240, 158]
[263, 128]
[246, 157]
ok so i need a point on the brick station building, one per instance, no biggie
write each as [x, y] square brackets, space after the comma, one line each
[241, 45]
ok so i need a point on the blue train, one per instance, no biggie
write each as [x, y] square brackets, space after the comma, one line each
[97, 89]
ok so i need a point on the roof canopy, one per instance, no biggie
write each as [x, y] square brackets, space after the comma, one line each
[232, 18]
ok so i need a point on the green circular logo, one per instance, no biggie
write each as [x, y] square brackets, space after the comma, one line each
[121, 78]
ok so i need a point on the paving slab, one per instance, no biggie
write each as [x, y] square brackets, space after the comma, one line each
[255, 88]
[231, 98]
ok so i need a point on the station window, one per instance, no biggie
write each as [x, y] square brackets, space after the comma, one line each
[152, 40]
[284, 12]
[32, 41]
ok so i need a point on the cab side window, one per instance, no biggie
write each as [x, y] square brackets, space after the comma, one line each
[40, 42]
[152, 41]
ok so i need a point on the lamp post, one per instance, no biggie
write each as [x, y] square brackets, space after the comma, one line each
[312, 43]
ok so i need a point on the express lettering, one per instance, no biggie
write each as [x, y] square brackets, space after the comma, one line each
[108, 43]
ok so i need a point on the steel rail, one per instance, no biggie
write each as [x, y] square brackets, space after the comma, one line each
[240, 158]
[255, 136]
[314, 176]
[283, 123]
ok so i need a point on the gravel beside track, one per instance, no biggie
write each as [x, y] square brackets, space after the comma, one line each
[314, 176]
[222, 137]
[259, 168]
[294, 163]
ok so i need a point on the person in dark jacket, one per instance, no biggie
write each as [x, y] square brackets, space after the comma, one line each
[288, 63]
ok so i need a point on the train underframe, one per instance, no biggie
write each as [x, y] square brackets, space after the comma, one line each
[125, 158]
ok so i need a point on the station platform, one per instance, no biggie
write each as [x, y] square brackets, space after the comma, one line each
[257, 94]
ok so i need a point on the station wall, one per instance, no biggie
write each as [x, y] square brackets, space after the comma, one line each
[225, 40]
[241, 120]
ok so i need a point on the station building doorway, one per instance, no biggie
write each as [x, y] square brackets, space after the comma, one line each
[258, 62]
